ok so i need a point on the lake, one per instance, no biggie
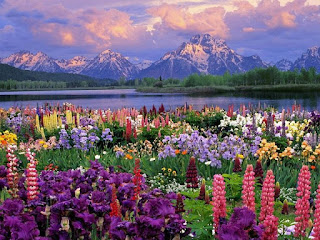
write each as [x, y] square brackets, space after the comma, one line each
[118, 98]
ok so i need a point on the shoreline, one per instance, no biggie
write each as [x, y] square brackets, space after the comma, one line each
[66, 89]
[302, 88]
[297, 88]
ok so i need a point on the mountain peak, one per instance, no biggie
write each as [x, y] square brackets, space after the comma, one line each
[41, 54]
[314, 51]
[284, 65]
[108, 52]
[206, 39]
[202, 54]
[22, 52]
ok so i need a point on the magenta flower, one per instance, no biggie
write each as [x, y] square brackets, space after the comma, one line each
[219, 200]
[12, 171]
[248, 189]
[302, 205]
[270, 228]
[32, 176]
[316, 223]
[267, 196]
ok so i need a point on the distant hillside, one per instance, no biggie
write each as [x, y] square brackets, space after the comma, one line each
[11, 73]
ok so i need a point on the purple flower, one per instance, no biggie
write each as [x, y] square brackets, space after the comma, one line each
[150, 228]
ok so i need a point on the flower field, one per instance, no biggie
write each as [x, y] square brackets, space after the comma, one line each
[67, 172]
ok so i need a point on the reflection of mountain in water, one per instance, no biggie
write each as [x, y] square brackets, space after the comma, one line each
[4, 98]
[115, 99]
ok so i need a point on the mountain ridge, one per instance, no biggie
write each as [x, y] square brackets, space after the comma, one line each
[202, 54]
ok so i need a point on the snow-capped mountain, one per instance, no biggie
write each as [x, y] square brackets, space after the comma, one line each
[144, 64]
[109, 64]
[33, 62]
[74, 65]
[309, 59]
[284, 65]
[202, 54]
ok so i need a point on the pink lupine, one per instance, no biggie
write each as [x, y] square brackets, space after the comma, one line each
[316, 223]
[12, 171]
[219, 200]
[270, 228]
[248, 188]
[303, 205]
[167, 119]
[267, 196]
[32, 176]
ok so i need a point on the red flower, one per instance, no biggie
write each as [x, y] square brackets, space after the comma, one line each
[137, 179]
[192, 174]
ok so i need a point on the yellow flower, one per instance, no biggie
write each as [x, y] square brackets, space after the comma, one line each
[240, 156]
[174, 173]
[169, 170]
[163, 169]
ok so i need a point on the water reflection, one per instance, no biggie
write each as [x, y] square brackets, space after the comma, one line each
[118, 98]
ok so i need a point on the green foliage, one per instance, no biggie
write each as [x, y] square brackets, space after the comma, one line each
[158, 84]
[254, 77]
[153, 133]
[281, 142]
[208, 121]
[199, 217]
[233, 186]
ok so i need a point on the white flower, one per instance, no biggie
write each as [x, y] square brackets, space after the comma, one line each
[97, 157]
[152, 159]
[104, 152]
[207, 163]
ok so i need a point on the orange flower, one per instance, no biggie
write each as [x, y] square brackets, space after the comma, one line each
[313, 167]
[177, 151]
[184, 152]
[128, 156]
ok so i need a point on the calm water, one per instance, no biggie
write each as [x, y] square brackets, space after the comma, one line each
[130, 98]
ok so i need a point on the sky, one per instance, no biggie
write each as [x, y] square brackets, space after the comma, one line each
[147, 29]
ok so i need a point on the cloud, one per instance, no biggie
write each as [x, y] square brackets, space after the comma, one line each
[7, 29]
[147, 29]
[248, 29]
[176, 18]
[94, 29]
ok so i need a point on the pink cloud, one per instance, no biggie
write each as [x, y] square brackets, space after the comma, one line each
[271, 14]
[95, 28]
[248, 29]
[282, 19]
[174, 17]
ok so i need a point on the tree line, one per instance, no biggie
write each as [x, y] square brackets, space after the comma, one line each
[254, 77]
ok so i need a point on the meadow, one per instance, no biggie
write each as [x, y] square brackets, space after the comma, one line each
[68, 172]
